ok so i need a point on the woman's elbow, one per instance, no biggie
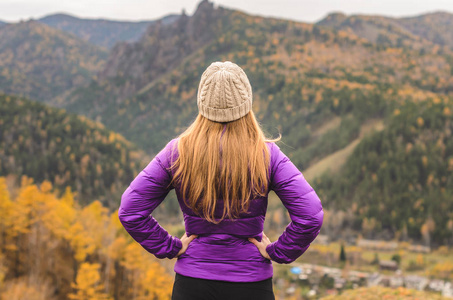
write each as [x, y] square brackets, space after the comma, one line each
[318, 220]
[123, 214]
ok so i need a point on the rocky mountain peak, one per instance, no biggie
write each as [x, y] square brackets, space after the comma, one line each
[163, 46]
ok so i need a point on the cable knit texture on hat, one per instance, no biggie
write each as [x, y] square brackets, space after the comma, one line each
[224, 93]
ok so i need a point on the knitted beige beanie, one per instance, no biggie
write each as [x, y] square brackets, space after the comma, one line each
[224, 93]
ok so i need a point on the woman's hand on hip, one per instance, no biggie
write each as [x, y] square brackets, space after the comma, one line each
[262, 245]
[185, 240]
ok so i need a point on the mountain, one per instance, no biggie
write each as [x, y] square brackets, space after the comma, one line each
[147, 91]
[101, 32]
[319, 86]
[433, 26]
[163, 47]
[40, 62]
[47, 143]
[133, 67]
[400, 32]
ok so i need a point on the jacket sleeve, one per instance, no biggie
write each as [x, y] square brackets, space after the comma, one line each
[139, 200]
[303, 205]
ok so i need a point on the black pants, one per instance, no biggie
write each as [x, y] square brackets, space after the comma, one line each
[188, 288]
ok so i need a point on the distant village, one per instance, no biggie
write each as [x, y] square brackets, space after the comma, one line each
[333, 280]
[312, 275]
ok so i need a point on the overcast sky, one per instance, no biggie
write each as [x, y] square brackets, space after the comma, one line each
[301, 10]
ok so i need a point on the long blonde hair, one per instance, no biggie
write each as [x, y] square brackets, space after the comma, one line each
[228, 160]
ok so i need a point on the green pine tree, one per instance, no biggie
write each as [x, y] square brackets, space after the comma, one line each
[342, 254]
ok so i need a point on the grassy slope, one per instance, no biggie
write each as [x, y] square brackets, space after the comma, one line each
[334, 161]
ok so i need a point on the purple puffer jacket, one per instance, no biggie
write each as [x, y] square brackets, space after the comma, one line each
[222, 252]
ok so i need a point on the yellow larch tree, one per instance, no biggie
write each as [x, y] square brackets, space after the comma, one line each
[87, 285]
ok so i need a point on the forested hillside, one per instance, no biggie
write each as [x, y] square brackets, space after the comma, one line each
[399, 181]
[40, 62]
[433, 26]
[101, 32]
[47, 143]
